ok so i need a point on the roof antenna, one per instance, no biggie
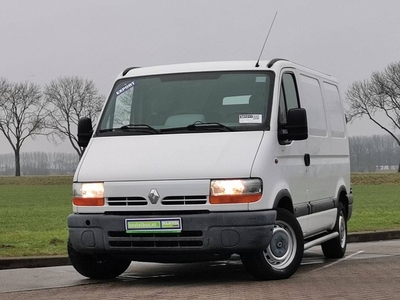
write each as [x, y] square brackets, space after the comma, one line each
[272, 24]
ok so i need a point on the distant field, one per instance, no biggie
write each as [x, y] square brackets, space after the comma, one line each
[34, 210]
[36, 180]
[375, 178]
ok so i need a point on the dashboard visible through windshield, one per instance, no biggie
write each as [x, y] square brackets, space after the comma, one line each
[192, 102]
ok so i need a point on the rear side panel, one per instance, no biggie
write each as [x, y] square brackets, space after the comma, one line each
[327, 146]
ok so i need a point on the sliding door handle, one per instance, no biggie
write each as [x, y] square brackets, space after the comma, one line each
[307, 159]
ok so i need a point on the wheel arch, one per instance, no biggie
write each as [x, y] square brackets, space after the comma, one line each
[342, 197]
[284, 200]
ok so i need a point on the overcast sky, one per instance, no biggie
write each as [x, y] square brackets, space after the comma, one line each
[42, 40]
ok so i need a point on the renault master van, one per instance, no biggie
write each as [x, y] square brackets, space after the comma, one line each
[197, 162]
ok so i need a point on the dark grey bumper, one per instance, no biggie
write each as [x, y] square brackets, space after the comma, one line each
[210, 233]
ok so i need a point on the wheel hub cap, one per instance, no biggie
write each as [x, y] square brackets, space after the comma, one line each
[281, 250]
[279, 243]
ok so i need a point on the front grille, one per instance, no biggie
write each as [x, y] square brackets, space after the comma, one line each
[169, 200]
[126, 201]
[185, 239]
[184, 200]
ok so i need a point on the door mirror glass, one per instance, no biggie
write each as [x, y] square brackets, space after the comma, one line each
[296, 126]
[85, 131]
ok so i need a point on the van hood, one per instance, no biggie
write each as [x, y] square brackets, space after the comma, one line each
[169, 157]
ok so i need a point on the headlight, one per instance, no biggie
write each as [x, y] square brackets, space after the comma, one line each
[235, 191]
[88, 194]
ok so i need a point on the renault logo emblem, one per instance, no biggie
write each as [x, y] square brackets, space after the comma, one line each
[154, 196]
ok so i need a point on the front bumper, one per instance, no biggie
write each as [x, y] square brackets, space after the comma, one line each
[209, 233]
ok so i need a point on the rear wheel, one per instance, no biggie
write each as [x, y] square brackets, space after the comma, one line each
[96, 267]
[336, 248]
[283, 256]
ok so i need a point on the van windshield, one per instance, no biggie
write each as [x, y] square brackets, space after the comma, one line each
[192, 102]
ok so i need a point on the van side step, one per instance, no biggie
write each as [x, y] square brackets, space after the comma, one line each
[321, 240]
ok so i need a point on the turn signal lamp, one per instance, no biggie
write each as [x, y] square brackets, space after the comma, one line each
[88, 194]
[235, 191]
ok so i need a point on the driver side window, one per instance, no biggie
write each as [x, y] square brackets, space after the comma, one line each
[288, 97]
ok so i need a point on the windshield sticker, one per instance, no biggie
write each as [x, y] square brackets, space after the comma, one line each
[125, 88]
[261, 79]
[236, 100]
[250, 118]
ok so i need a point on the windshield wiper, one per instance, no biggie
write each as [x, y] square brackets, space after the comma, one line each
[140, 128]
[212, 126]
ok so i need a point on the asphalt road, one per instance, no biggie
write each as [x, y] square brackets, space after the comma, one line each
[370, 270]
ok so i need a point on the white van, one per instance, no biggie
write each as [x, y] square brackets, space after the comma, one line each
[200, 161]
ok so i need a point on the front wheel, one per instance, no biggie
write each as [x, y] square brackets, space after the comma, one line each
[96, 267]
[283, 256]
[336, 248]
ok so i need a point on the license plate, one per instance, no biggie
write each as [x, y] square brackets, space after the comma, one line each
[154, 225]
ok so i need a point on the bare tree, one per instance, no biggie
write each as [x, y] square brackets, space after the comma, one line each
[21, 114]
[69, 99]
[378, 96]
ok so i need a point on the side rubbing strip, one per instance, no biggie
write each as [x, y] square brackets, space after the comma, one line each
[314, 207]
[301, 210]
[322, 205]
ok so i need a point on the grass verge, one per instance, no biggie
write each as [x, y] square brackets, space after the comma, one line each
[33, 215]
[376, 202]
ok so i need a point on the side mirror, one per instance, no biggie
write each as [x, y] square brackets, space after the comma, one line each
[85, 131]
[296, 126]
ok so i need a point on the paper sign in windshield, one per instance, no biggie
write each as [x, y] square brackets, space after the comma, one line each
[125, 88]
[250, 118]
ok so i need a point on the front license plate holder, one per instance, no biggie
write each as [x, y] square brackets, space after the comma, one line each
[153, 225]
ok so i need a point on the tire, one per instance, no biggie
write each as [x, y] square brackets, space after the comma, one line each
[283, 256]
[336, 248]
[96, 267]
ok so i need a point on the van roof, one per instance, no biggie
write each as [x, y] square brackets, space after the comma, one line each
[274, 65]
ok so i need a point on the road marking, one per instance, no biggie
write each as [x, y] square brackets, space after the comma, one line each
[136, 277]
[338, 261]
[315, 261]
